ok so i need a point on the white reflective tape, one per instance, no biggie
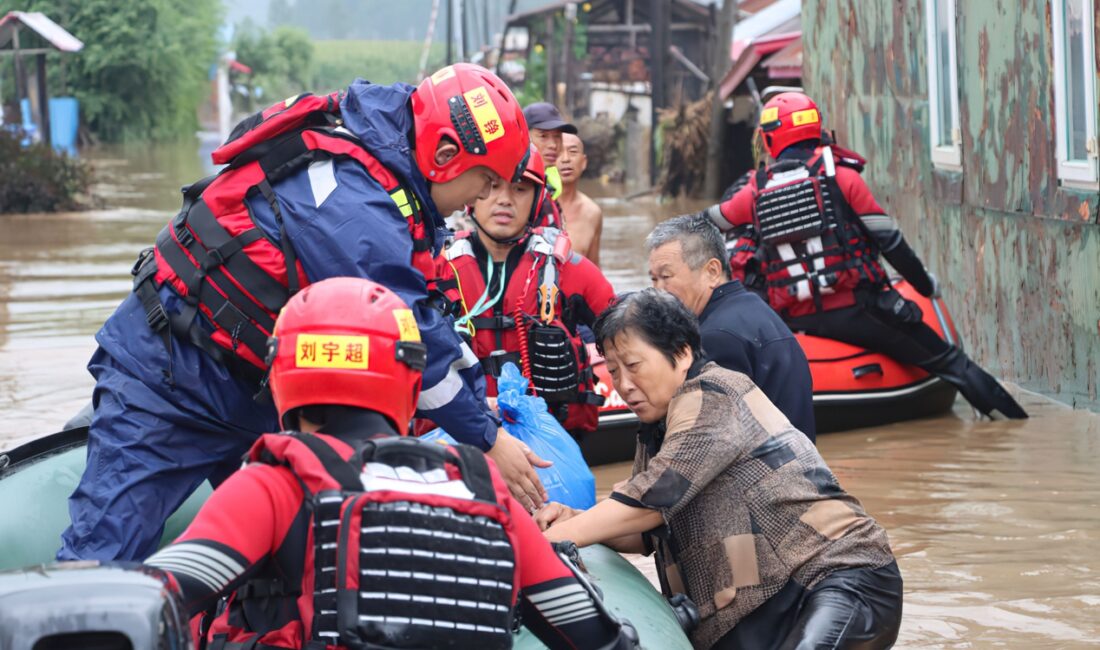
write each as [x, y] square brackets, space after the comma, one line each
[467, 360]
[220, 563]
[558, 592]
[322, 180]
[568, 611]
[442, 393]
[827, 157]
[572, 619]
[879, 222]
[186, 569]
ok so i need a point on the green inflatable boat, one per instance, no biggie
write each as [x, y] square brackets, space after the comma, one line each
[37, 478]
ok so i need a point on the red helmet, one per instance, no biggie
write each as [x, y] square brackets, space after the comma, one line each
[472, 107]
[544, 212]
[348, 342]
[788, 118]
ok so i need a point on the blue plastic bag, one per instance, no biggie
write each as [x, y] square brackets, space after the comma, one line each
[568, 480]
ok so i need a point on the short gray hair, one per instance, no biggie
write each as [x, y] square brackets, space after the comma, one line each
[699, 240]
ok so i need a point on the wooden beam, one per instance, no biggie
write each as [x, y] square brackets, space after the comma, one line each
[643, 28]
[43, 101]
[678, 54]
[25, 52]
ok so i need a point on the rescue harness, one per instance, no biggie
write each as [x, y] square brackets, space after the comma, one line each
[811, 245]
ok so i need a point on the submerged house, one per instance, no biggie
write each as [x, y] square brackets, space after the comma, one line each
[598, 56]
[980, 124]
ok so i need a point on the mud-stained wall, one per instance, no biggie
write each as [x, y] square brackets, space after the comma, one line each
[1018, 255]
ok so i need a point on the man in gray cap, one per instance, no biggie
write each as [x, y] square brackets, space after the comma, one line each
[583, 218]
[545, 124]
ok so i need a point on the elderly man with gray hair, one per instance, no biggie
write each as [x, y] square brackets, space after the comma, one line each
[687, 257]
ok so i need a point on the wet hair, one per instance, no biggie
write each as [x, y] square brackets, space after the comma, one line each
[700, 240]
[657, 316]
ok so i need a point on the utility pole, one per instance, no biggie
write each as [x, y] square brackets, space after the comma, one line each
[428, 42]
[659, 18]
[450, 31]
[721, 64]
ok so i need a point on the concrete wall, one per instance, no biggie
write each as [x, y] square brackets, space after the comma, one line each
[1018, 255]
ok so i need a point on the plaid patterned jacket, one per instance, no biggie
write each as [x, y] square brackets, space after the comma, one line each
[748, 501]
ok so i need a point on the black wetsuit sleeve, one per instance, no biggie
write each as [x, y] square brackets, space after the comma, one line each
[556, 602]
[905, 260]
[564, 614]
[887, 236]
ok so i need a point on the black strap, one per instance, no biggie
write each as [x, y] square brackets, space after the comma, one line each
[293, 284]
[446, 284]
[493, 364]
[346, 474]
[219, 249]
[761, 177]
[590, 398]
[270, 588]
[144, 272]
[475, 472]
[198, 278]
[499, 322]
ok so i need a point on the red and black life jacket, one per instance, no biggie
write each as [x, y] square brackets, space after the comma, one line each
[811, 244]
[420, 558]
[222, 263]
[531, 326]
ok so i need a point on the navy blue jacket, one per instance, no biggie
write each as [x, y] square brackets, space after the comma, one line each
[741, 332]
[341, 222]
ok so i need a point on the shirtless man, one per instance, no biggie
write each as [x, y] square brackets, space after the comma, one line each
[583, 216]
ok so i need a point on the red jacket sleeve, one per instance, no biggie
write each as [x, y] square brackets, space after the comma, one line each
[242, 523]
[581, 278]
[856, 192]
[738, 209]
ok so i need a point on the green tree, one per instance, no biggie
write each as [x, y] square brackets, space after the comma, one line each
[145, 65]
[281, 60]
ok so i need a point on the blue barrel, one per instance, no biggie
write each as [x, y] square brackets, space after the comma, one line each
[64, 121]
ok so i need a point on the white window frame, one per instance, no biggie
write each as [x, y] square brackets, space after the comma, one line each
[943, 156]
[1074, 173]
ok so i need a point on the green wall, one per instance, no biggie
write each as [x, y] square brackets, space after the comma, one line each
[1018, 255]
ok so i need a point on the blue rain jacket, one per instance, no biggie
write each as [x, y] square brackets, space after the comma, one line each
[169, 417]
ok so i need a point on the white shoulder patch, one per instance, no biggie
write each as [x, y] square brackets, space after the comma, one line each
[322, 180]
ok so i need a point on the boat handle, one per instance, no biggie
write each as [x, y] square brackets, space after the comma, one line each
[869, 369]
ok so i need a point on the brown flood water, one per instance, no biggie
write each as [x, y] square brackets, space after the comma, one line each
[996, 525]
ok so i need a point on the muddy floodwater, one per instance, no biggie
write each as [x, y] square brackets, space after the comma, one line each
[996, 525]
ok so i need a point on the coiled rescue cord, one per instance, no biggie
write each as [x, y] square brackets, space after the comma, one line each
[521, 330]
[524, 349]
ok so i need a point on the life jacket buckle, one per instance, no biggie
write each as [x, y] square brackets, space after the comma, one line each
[156, 317]
[183, 234]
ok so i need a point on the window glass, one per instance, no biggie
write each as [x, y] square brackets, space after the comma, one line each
[1076, 86]
[944, 16]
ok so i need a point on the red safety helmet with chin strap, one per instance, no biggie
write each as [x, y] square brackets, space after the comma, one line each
[788, 118]
[348, 342]
[474, 108]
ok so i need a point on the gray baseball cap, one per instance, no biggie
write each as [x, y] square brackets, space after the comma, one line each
[545, 116]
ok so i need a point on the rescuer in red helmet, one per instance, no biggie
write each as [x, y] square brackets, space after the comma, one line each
[339, 533]
[351, 184]
[808, 234]
[523, 295]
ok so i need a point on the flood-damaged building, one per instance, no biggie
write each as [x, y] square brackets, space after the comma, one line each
[979, 121]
